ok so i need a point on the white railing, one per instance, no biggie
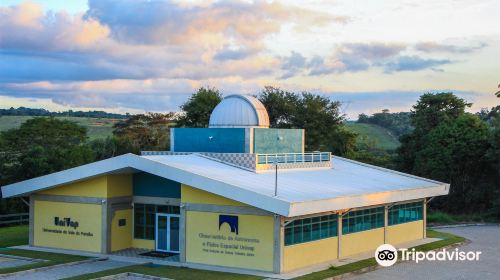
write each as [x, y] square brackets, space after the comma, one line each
[293, 157]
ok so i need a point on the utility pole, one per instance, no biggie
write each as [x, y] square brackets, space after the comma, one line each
[275, 163]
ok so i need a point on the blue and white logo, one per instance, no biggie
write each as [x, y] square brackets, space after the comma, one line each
[232, 221]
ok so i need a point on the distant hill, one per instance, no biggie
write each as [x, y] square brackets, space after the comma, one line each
[23, 111]
[101, 127]
[96, 127]
[374, 135]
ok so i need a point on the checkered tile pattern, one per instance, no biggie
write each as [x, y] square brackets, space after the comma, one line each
[245, 160]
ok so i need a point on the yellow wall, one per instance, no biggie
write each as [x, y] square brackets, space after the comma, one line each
[95, 187]
[209, 250]
[309, 253]
[143, 244]
[88, 217]
[103, 186]
[119, 185]
[192, 195]
[359, 242]
[121, 236]
[405, 232]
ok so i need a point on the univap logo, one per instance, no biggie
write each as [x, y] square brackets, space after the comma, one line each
[386, 255]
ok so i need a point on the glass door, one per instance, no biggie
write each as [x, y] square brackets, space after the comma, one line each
[167, 233]
[174, 234]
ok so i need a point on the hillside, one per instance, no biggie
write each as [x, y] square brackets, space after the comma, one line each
[96, 127]
[369, 134]
[374, 135]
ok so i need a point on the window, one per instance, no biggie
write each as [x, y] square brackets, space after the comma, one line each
[145, 218]
[361, 220]
[310, 229]
[404, 213]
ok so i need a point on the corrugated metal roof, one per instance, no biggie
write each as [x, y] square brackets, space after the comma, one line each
[346, 178]
[348, 184]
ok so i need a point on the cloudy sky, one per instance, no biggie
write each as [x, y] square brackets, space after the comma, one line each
[137, 56]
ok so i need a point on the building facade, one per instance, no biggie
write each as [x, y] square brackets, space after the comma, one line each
[236, 194]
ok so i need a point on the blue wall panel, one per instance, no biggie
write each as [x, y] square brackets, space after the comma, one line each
[212, 140]
[273, 140]
[145, 184]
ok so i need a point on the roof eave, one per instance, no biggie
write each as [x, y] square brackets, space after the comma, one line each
[107, 166]
[348, 202]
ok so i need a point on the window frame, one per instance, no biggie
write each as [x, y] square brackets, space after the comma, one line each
[363, 220]
[304, 229]
[405, 213]
[148, 229]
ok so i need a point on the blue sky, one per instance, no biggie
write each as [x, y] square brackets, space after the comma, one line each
[137, 56]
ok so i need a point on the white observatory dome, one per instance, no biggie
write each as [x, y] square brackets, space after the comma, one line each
[239, 111]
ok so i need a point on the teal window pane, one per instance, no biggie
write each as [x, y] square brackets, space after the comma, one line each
[403, 213]
[139, 232]
[333, 228]
[315, 231]
[306, 233]
[310, 229]
[288, 236]
[324, 230]
[297, 235]
[150, 233]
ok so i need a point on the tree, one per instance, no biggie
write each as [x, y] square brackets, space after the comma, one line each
[281, 106]
[434, 108]
[198, 108]
[41, 146]
[141, 132]
[493, 155]
[431, 110]
[498, 92]
[318, 115]
[455, 152]
[450, 145]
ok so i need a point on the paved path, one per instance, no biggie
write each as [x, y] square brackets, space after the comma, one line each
[8, 262]
[69, 270]
[483, 238]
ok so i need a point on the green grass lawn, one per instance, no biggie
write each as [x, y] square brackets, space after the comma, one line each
[373, 135]
[96, 127]
[442, 218]
[18, 235]
[13, 236]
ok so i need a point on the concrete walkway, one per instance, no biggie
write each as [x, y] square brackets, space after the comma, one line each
[11, 262]
[133, 260]
[483, 238]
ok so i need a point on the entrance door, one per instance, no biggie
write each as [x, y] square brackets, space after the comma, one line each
[167, 233]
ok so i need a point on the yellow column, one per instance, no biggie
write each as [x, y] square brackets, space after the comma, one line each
[424, 216]
[339, 234]
[386, 222]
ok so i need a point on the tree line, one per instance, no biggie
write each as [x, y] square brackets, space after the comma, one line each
[439, 140]
[23, 111]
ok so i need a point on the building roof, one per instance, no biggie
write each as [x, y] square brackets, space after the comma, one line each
[239, 111]
[348, 184]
